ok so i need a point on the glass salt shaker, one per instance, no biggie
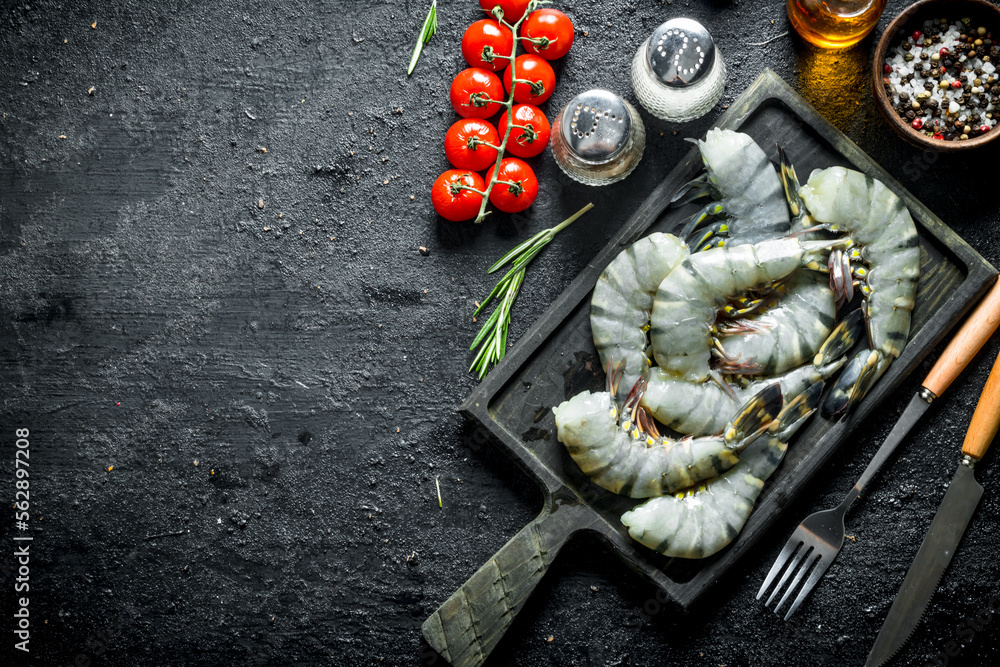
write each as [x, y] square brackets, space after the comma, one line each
[678, 73]
[598, 138]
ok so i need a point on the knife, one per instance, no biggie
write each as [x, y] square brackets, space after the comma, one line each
[946, 530]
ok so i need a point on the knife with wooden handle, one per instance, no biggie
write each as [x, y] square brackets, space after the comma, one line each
[946, 530]
[977, 329]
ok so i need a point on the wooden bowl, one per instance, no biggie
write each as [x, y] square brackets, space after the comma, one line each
[982, 13]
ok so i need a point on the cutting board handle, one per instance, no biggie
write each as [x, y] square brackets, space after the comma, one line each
[470, 623]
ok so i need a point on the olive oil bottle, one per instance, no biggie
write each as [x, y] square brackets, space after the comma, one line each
[834, 24]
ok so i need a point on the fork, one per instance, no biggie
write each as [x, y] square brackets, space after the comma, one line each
[817, 540]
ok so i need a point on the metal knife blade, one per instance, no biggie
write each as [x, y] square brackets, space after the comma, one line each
[946, 530]
[928, 567]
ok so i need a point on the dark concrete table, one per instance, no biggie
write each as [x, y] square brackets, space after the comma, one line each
[239, 373]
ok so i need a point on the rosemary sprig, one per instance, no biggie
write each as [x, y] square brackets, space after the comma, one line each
[426, 32]
[492, 337]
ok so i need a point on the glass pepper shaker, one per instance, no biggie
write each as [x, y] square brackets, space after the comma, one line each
[598, 138]
[678, 73]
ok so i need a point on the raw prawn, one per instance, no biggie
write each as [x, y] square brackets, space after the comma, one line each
[700, 521]
[623, 298]
[783, 336]
[689, 298]
[882, 236]
[622, 451]
[703, 408]
[750, 204]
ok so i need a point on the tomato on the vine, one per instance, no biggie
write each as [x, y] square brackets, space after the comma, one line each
[536, 70]
[512, 9]
[451, 200]
[469, 144]
[519, 189]
[487, 44]
[553, 31]
[470, 88]
[526, 142]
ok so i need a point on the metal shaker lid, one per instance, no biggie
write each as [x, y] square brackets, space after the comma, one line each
[680, 52]
[596, 125]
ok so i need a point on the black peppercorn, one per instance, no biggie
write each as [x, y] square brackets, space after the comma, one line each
[904, 96]
[925, 56]
[928, 85]
[948, 62]
[911, 115]
[932, 103]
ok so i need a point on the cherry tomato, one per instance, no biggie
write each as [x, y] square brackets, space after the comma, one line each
[453, 203]
[463, 144]
[526, 143]
[484, 42]
[512, 9]
[553, 28]
[539, 72]
[470, 87]
[519, 190]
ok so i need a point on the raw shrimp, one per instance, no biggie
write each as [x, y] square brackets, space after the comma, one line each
[700, 521]
[689, 298]
[783, 336]
[703, 408]
[751, 205]
[623, 298]
[885, 239]
[622, 451]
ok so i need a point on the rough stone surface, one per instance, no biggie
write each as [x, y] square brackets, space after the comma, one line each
[210, 280]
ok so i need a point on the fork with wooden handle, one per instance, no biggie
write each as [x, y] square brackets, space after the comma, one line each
[818, 539]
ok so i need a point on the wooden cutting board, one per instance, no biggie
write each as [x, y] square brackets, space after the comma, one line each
[556, 359]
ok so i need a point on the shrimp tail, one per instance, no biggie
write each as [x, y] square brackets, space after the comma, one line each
[798, 410]
[710, 210]
[694, 189]
[790, 183]
[841, 339]
[754, 417]
[858, 376]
